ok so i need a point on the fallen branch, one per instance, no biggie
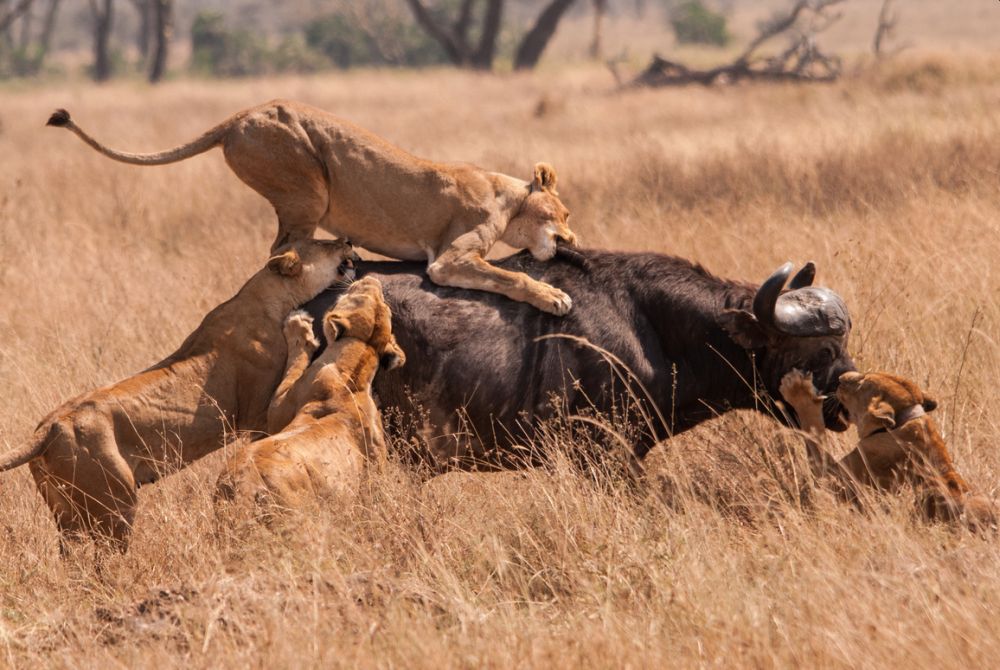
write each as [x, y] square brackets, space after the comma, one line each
[802, 61]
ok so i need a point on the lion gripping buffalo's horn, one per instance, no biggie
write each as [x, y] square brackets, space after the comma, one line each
[318, 170]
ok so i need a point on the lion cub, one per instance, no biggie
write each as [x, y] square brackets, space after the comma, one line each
[331, 427]
[899, 442]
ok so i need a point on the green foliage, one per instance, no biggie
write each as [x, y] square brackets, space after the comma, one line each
[386, 41]
[20, 62]
[224, 53]
[694, 23]
[337, 39]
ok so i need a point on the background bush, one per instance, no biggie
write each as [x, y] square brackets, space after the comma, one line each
[694, 23]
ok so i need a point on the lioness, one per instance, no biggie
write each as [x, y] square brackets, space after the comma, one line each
[319, 170]
[899, 442]
[336, 429]
[90, 455]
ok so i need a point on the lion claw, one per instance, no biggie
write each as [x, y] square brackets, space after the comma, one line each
[797, 387]
[299, 331]
[554, 301]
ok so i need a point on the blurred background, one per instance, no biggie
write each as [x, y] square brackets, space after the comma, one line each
[157, 39]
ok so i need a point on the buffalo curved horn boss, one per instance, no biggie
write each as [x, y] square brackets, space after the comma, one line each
[803, 310]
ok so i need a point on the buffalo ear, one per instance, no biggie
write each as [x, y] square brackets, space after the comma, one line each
[287, 264]
[929, 404]
[743, 328]
[882, 413]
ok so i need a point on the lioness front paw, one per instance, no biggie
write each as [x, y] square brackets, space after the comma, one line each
[552, 300]
[797, 389]
[299, 331]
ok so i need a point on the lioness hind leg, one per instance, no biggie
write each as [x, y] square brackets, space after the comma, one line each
[273, 156]
[88, 496]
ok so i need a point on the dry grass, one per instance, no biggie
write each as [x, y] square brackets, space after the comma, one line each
[890, 181]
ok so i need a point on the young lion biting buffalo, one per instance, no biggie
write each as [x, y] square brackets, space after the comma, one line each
[898, 443]
[326, 423]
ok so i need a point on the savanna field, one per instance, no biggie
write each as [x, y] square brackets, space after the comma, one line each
[728, 556]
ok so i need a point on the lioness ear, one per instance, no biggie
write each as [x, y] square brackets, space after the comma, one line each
[544, 178]
[743, 328]
[287, 264]
[929, 404]
[882, 413]
[392, 357]
[334, 326]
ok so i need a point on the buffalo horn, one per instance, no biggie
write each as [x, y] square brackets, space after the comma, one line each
[803, 277]
[810, 312]
[767, 295]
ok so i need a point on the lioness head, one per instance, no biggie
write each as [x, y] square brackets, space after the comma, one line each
[310, 266]
[361, 313]
[875, 400]
[542, 219]
[900, 442]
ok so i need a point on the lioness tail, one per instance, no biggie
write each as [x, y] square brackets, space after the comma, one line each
[61, 119]
[29, 451]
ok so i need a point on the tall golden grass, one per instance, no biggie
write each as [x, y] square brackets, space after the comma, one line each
[890, 180]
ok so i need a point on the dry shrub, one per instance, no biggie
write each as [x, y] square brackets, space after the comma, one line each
[932, 74]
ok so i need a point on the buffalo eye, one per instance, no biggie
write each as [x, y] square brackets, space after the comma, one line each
[825, 357]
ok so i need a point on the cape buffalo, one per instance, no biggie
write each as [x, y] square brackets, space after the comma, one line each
[654, 340]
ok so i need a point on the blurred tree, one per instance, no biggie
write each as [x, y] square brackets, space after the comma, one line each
[455, 40]
[455, 36]
[8, 16]
[538, 37]
[25, 34]
[695, 23]
[25, 57]
[600, 9]
[144, 9]
[103, 13]
[162, 32]
[371, 32]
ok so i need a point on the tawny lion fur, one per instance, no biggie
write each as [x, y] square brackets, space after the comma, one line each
[319, 170]
[330, 427]
[888, 454]
[89, 456]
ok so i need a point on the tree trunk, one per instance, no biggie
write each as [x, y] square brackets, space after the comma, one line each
[102, 11]
[24, 39]
[483, 58]
[144, 8]
[45, 40]
[7, 19]
[600, 8]
[534, 43]
[163, 25]
[456, 54]
[461, 28]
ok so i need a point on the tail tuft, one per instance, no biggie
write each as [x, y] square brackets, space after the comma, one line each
[59, 118]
